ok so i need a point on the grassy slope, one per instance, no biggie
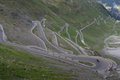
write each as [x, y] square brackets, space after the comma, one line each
[16, 64]
[96, 34]
[78, 14]
[17, 14]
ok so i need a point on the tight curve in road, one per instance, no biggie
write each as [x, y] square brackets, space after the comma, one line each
[42, 44]
[54, 38]
[82, 38]
[3, 37]
[81, 34]
[67, 25]
[96, 20]
[42, 35]
[110, 37]
[62, 28]
[43, 21]
[76, 37]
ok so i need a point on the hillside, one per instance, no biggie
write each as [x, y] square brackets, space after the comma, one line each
[57, 13]
[58, 39]
[19, 65]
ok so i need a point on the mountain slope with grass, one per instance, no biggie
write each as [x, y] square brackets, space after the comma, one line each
[64, 34]
[17, 64]
[57, 13]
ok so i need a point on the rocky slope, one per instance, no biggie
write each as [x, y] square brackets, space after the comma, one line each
[113, 7]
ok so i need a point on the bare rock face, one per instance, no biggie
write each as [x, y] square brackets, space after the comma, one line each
[113, 6]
